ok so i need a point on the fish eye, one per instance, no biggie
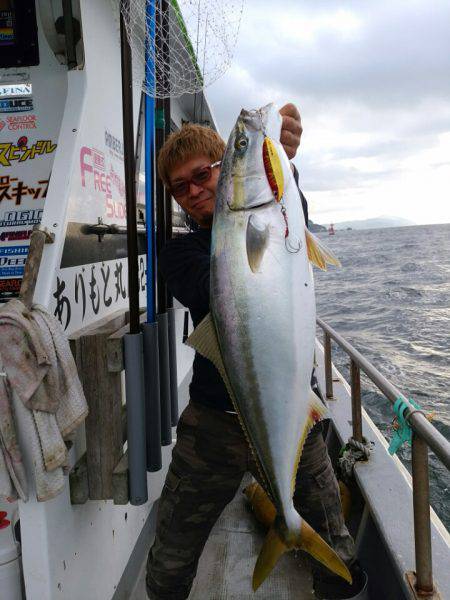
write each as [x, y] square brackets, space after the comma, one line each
[241, 143]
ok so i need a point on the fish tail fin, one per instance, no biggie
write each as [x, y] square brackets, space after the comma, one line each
[272, 549]
[308, 540]
[311, 542]
[318, 253]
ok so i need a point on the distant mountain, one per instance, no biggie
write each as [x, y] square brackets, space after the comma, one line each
[376, 223]
[315, 227]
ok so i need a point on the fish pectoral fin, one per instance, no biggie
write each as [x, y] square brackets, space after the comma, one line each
[257, 240]
[311, 542]
[271, 551]
[318, 253]
[204, 340]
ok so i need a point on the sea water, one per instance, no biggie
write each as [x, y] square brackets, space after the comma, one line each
[391, 301]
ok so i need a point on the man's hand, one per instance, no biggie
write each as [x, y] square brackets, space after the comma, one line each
[291, 129]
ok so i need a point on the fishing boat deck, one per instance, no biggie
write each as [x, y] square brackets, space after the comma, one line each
[227, 562]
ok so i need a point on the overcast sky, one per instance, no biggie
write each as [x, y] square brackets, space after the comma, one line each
[372, 81]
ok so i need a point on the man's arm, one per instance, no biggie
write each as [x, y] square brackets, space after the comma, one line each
[185, 269]
[291, 133]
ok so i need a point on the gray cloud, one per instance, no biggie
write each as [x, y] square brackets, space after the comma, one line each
[379, 91]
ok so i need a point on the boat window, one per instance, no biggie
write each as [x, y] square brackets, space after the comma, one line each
[18, 34]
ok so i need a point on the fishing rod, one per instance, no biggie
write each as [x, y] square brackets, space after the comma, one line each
[133, 341]
[153, 416]
[166, 319]
[162, 317]
[171, 312]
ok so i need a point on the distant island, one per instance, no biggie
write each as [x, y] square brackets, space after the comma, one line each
[315, 227]
[375, 223]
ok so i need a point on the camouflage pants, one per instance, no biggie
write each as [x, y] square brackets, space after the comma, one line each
[209, 461]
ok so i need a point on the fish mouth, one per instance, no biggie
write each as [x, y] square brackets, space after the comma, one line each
[256, 118]
[252, 207]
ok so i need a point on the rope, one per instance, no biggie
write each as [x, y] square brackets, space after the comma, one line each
[351, 453]
[402, 432]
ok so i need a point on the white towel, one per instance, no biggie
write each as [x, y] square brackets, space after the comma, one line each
[46, 396]
[13, 481]
[73, 408]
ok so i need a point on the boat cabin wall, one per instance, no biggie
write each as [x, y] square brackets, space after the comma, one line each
[61, 155]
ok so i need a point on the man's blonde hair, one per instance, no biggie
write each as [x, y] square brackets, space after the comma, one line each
[190, 141]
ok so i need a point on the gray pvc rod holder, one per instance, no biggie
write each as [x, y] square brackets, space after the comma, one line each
[152, 396]
[134, 385]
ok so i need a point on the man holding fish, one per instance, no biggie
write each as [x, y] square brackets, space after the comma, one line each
[246, 279]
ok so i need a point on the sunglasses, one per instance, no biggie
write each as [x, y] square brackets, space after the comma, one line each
[199, 177]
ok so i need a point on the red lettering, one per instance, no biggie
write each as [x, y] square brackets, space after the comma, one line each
[84, 166]
[109, 207]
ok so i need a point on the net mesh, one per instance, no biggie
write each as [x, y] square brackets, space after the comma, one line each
[184, 46]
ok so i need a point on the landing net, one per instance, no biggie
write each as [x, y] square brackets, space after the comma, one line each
[192, 46]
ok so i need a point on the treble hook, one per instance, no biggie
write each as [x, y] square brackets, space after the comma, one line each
[290, 248]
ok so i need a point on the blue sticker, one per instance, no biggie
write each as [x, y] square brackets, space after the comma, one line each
[13, 105]
[11, 271]
[14, 250]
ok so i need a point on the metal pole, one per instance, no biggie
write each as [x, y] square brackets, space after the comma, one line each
[356, 401]
[328, 366]
[421, 503]
[130, 183]
[435, 440]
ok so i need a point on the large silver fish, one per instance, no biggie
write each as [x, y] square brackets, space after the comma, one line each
[261, 330]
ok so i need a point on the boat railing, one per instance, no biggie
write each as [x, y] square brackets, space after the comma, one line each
[424, 436]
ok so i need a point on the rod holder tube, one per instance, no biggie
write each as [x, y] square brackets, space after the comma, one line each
[328, 367]
[164, 379]
[152, 403]
[422, 527]
[134, 385]
[355, 375]
[171, 313]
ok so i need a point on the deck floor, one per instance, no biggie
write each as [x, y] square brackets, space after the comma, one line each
[226, 565]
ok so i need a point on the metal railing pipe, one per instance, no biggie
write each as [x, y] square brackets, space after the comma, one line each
[356, 401]
[421, 505]
[418, 421]
[328, 366]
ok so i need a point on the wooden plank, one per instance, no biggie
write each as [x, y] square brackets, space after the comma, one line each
[120, 481]
[78, 482]
[116, 362]
[111, 323]
[103, 390]
[37, 243]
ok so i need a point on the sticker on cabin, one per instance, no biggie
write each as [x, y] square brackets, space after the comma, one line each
[13, 250]
[81, 293]
[19, 123]
[11, 153]
[9, 287]
[103, 179]
[14, 190]
[19, 218]
[13, 105]
[12, 266]
[11, 90]
[15, 235]
[114, 144]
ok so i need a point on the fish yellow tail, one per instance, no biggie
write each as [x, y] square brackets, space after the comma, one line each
[318, 253]
[307, 540]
